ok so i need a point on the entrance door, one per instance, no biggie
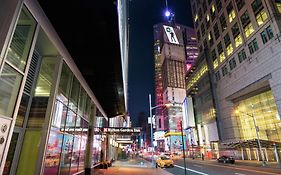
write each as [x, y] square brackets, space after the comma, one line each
[13, 153]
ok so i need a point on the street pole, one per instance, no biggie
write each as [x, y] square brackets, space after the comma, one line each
[183, 151]
[258, 139]
[151, 131]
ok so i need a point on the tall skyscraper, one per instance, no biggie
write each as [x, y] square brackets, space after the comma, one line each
[238, 70]
[174, 53]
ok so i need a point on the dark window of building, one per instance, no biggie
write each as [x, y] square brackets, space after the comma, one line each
[235, 30]
[242, 56]
[223, 22]
[253, 46]
[232, 63]
[218, 75]
[269, 32]
[200, 14]
[229, 8]
[159, 124]
[203, 29]
[204, 5]
[213, 13]
[220, 48]
[213, 55]
[216, 31]
[198, 35]
[240, 4]
[245, 19]
[257, 6]
[224, 70]
[266, 35]
[226, 40]
[205, 44]
[218, 4]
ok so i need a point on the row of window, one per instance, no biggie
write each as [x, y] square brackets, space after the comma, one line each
[253, 46]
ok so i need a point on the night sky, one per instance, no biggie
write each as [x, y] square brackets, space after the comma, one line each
[143, 15]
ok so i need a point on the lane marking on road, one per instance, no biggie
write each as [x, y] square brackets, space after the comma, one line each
[188, 169]
[231, 167]
[239, 174]
[197, 166]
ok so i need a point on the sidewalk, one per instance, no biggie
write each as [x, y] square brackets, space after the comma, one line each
[136, 166]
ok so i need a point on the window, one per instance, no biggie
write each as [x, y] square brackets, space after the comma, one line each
[216, 31]
[218, 75]
[248, 30]
[213, 12]
[226, 40]
[203, 29]
[208, 20]
[240, 4]
[222, 57]
[253, 46]
[210, 37]
[220, 48]
[238, 40]
[235, 30]
[218, 4]
[230, 12]
[223, 22]
[269, 32]
[198, 34]
[214, 58]
[261, 17]
[257, 6]
[229, 49]
[232, 63]
[278, 6]
[242, 56]
[266, 35]
[224, 70]
[245, 19]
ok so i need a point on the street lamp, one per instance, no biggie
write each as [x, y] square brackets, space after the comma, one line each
[257, 133]
[151, 128]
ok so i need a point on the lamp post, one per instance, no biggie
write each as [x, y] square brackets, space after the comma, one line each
[257, 133]
[151, 127]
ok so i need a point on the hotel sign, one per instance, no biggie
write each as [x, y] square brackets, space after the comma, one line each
[116, 130]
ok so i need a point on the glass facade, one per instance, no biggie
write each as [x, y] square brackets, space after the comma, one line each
[263, 109]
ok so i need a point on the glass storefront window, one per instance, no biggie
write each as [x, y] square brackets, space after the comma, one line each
[66, 155]
[21, 41]
[70, 122]
[53, 151]
[42, 92]
[59, 117]
[73, 103]
[10, 81]
[263, 108]
[83, 144]
[22, 110]
[65, 84]
[82, 102]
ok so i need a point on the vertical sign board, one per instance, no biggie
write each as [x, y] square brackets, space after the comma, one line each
[171, 34]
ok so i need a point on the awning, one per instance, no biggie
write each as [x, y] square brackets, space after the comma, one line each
[252, 144]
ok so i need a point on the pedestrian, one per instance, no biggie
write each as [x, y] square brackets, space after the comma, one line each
[202, 156]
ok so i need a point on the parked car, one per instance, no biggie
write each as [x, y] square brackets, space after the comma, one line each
[164, 161]
[226, 159]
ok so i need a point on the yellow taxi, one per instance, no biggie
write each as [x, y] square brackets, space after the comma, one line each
[164, 161]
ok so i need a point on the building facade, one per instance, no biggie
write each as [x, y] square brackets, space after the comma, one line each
[240, 49]
[174, 53]
[48, 112]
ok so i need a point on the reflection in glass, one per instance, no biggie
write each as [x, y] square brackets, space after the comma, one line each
[70, 122]
[52, 157]
[59, 117]
[22, 110]
[10, 156]
[21, 42]
[73, 104]
[65, 84]
[83, 145]
[66, 155]
[10, 81]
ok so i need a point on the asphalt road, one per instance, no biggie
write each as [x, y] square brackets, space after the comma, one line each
[196, 167]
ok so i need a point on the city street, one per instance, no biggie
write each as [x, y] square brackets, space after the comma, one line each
[139, 166]
[195, 167]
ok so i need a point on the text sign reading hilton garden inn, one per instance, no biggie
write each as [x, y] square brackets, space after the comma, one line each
[112, 130]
